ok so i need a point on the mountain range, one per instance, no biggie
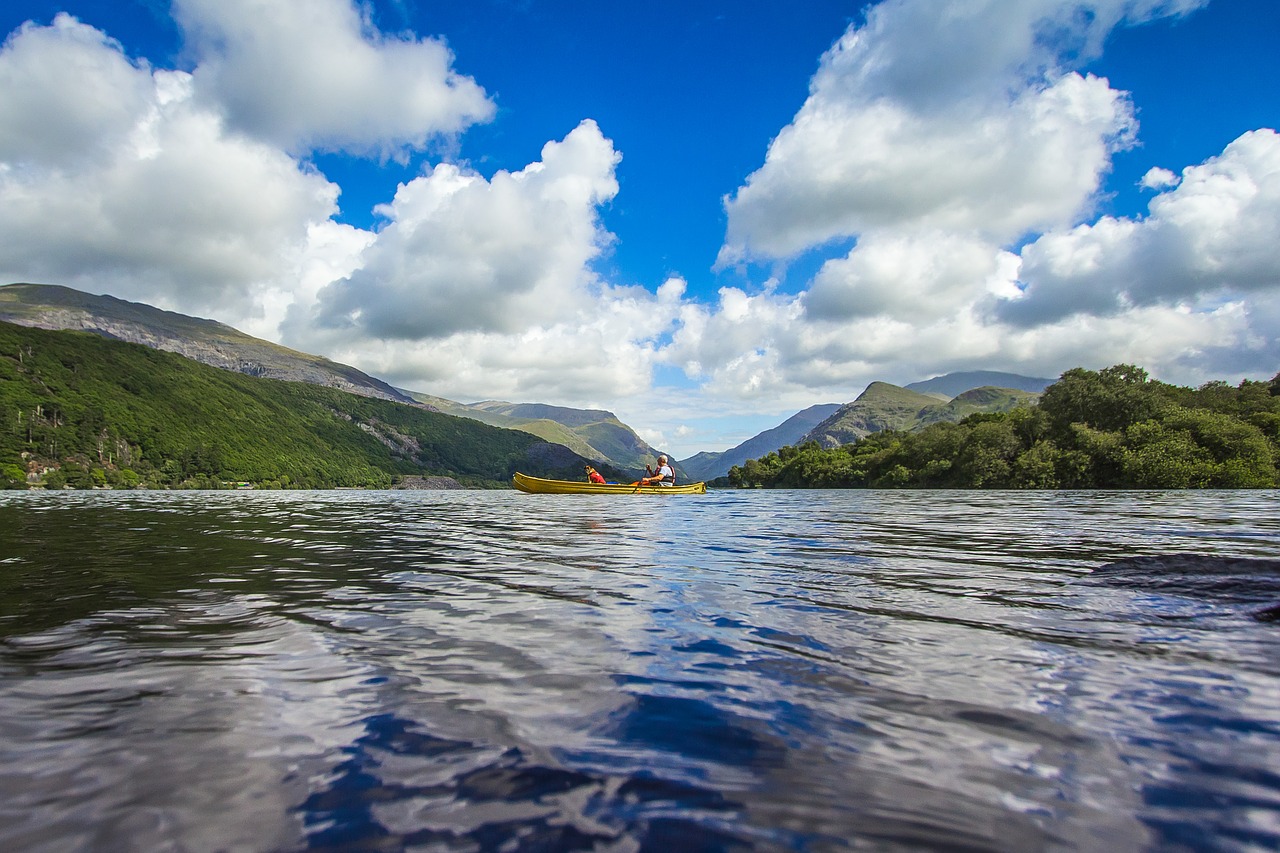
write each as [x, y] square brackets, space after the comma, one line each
[709, 465]
[592, 434]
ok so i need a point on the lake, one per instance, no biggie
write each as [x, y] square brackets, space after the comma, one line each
[778, 670]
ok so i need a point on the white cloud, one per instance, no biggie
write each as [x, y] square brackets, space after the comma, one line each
[306, 74]
[67, 93]
[912, 277]
[1174, 343]
[1158, 178]
[599, 355]
[1209, 240]
[929, 57]
[963, 116]
[145, 195]
[463, 254]
[578, 364]
[729, 342]
[843, 168]
[330, 252]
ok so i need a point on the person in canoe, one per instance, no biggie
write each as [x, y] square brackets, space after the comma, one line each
[594, 476]
[664, 476]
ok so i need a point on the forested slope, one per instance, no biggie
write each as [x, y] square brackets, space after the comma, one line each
[78, 409]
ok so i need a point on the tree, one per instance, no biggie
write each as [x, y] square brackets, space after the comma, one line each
[986, 459]
[1109, 399]
[1100, 463]
[1160, 457]
[1038, 467]
[1240, 454]
[12, 477]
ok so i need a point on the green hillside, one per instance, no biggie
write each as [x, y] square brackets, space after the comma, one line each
[92, 411]
[975, 402]
[46, 306]
[591, 433]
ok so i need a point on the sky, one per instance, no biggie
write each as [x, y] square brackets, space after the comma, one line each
[703, 217]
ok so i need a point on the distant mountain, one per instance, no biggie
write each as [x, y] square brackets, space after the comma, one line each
[954, 384]
[46, 306]
[709, 465]
[88, 411]
[592, 433]
[883, 407]
[974, 401]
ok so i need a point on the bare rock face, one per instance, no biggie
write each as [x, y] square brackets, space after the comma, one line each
[205, 341]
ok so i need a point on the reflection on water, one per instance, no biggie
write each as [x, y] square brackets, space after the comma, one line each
[741, 670]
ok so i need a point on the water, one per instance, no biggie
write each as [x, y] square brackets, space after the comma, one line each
[741, 670]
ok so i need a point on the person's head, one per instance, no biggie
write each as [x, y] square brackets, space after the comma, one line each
[662, 460]
[588, 468]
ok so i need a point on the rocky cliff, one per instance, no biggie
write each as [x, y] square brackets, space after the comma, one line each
[53, 307]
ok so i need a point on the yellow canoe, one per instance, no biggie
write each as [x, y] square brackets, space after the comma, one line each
[539, 486]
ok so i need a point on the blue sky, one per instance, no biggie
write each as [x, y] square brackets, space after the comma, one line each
[703, 217]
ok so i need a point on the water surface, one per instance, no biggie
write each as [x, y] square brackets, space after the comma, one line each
[740, 670]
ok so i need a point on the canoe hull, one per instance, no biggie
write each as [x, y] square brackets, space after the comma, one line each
[539, 486]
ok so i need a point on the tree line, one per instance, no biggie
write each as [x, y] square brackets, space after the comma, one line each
[1109, 429]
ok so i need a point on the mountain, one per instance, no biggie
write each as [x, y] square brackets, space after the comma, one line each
[880, 407]
[46, 306]
[708, 466]
[884, 407]
[954, 384]
[592, 433]
[82, 409]
[975, 401]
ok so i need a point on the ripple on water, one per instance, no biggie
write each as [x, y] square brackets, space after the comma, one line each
[784, 670]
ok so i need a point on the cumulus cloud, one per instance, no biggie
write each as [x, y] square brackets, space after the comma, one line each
[464, 254]
[846, 167]
[306, 74]
[1173, 342]
[929, 57]
[144, 194]
[733, 342]
[966, 117]
[484, 288]
[599, 355]
[1209, 240]
[909, 276]
[67, 93]
[1158, 178]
